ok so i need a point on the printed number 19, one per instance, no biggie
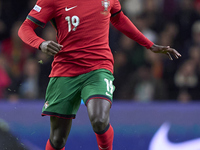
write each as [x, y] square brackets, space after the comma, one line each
[73, 21]
[109, 85]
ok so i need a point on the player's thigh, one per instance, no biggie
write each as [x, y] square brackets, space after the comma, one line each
[62, 97]
[60, 127]
[99, 85]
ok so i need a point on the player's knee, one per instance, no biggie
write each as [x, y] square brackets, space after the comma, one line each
[58, 142]
[99, 124]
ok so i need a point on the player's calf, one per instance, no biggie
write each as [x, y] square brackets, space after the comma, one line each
[105, 139]
[49, 146]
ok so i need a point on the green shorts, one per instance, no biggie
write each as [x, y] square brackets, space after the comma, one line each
[64, 94]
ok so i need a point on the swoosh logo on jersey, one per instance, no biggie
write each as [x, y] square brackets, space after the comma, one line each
[67, 9]
[160, 141]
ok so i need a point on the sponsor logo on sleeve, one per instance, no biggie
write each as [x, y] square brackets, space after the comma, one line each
[37, 8]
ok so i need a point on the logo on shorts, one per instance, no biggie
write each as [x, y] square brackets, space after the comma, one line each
[108, 94]
[46, 104]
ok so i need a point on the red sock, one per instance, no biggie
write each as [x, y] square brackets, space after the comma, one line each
[105, 140]
[50, 147]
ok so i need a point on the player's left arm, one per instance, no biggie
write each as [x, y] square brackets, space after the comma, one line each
[123, 24]
[165, 50]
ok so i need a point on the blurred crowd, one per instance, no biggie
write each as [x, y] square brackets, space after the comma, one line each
[140, 75]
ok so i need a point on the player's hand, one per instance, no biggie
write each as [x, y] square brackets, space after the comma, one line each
[165, 50]
[50, 47]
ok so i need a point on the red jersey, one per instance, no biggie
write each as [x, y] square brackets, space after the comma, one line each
[82, 28]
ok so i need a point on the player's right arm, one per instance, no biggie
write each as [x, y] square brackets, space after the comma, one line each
[39, 16]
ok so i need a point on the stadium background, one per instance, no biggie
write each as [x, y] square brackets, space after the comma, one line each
[151, 91]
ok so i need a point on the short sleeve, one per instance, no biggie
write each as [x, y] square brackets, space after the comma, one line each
[116, 7]
[42, 12]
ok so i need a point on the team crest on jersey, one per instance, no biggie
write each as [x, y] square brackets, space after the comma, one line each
[105, 4]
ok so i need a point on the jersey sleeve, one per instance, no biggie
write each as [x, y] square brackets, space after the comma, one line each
[116, 8]
[42, 12]
[27, 34]
[123, 24]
